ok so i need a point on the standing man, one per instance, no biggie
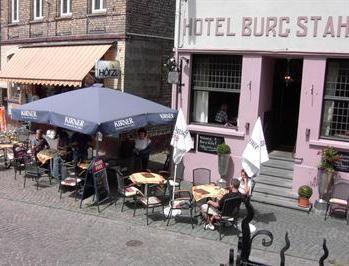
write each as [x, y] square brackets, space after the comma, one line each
[142, 148]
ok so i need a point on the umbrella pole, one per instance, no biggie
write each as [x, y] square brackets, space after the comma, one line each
[97, 146]
[174, 182]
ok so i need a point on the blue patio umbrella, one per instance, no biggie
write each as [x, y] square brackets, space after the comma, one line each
[95, 109]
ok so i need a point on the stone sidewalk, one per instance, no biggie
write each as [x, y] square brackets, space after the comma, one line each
[306, 232]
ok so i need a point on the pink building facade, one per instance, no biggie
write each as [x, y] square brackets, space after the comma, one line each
[287, 64]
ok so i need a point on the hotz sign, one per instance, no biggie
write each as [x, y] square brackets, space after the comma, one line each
[107, 69]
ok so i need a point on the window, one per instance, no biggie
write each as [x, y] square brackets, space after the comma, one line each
[38, 9]
[98, 6]
[66, 7]
[14, 11]
[335, 113]
[215, 89]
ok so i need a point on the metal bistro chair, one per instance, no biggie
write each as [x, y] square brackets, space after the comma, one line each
[201, 176]
[339, 198]
[183, 200]
[169, 181]
[33, 171]
[69, 178]
[228, 214]
[127, 191]
[150, 201]
[20, 155]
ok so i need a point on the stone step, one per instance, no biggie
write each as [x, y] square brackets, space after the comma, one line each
[281, 173]
[274, 181]
[277, 201]
[281, 156]
[275, 191]
[286, 165]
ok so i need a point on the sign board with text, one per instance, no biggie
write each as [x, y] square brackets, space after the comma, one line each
[107, 69]
[265, 25]
[100, 180]
[208, 144]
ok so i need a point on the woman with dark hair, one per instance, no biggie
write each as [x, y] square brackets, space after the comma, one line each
[142, 148]
[245, 183]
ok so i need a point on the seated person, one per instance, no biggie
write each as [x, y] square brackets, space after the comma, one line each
[64, 145]
[216, 207]
[142, 148]
[63, 140]
[245, 184]
[80, 144]
[222, 115]
[39, 143]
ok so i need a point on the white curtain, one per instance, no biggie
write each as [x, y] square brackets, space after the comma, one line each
[201, 106]
[332, 76]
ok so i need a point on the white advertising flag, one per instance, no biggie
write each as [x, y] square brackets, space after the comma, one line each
[182, 143]
[181, 138]
[255, 152]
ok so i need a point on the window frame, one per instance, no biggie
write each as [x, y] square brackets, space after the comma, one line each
[41, 15]
[209, 90]
[101, 8]
[326, 98]
[69, 8]
[13, 11]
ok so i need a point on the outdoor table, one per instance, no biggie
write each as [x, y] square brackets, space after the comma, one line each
[84, 165]
[208, 191]
[146, 178]
[46, 155]
[5, 147]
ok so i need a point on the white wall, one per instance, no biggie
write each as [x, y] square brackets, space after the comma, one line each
[265, 25]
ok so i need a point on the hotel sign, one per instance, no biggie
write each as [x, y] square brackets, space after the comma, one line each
[107, 69]
[266, 25]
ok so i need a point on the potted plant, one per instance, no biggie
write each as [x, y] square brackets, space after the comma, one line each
[327, 170]
[304, 194]
[223, 151]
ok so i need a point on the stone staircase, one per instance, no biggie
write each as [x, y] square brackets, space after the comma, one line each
[274, 184]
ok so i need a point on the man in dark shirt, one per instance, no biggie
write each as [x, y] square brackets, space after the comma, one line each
[213, 208]
[39, 143]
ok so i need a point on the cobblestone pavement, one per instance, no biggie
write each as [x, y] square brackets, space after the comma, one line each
[37, 227]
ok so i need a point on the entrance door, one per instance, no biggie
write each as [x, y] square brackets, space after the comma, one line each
[285, 107]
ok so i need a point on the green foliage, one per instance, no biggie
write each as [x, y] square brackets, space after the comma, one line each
[305, 191]
[329, 157]
[223, 149]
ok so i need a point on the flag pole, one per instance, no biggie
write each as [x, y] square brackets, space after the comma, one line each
[174, 182]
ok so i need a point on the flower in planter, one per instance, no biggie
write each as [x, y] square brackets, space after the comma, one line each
[223, 149]
[329, 158]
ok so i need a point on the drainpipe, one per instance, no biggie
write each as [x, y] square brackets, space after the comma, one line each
[177, 43]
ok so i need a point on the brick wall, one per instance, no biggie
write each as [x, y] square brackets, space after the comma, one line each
[141, 58]
[144, 69]
[81, 22]
[151, 17]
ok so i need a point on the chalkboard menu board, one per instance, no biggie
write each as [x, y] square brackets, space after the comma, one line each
[100, 179]
[96, 183]
[343, 164]
[209, 144]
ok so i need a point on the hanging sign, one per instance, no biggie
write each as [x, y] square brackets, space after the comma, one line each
[107, 69]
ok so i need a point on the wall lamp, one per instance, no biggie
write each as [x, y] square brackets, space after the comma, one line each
[307, 132]
[186, 60]
[247, 127]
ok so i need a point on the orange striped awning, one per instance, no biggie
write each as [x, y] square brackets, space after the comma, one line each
[56, 65]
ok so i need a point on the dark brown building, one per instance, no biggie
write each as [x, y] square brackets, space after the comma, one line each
[50, 46]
